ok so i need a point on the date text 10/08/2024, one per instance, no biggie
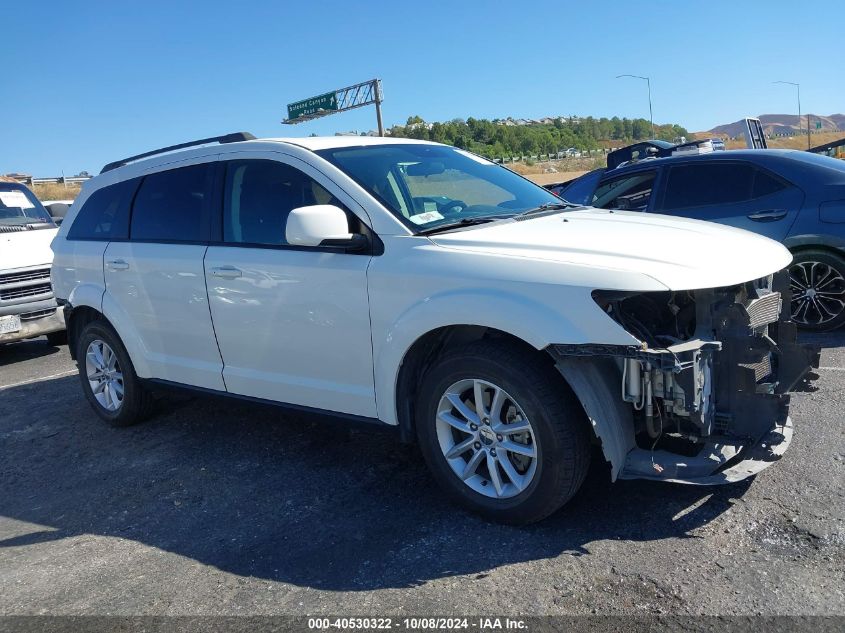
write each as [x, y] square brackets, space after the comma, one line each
[417, 624]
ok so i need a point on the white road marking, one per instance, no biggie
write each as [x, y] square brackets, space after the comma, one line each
[40, 379]
[833, 368]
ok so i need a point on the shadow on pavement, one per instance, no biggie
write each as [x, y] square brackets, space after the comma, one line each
[253, 492]
[26, 350]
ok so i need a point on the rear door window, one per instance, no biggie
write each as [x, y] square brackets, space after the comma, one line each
[174, 205]
[710, 184]
[105, 214]
[766, 184]
[629, 192]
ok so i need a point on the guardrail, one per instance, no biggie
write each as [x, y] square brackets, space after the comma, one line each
[545, 158]
[61, 180]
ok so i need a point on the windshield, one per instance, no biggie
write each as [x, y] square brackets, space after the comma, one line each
[19, 207]
[582, 190]
[427, 186]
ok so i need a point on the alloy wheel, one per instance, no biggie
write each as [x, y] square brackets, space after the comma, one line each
[486, 438]
[818, 293]
[104, 375]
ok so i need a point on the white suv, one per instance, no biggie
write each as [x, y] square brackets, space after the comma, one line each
[417, 285]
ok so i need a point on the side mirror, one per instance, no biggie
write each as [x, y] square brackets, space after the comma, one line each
[322, 225]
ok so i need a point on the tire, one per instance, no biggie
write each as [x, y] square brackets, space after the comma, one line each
[136, 402]
[532, 393]
[57, 338]
[817, 281]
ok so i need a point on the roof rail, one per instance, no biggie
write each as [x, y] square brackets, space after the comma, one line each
[226, 138]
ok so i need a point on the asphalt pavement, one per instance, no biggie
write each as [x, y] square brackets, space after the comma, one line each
[219, 508]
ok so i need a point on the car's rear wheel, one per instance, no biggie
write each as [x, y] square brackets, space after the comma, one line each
[108, 377]
[817, 281]
[502, 434]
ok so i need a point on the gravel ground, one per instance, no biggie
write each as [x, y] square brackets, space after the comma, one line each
[218, 508]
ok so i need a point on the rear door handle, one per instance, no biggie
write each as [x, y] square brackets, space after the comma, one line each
[117, 264]
[226, 272]
[768, 216]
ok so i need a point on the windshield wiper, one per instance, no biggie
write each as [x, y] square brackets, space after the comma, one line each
[549, 206]
[457, 225]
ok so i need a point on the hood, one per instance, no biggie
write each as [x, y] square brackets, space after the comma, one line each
[680, 253]
[26, 248]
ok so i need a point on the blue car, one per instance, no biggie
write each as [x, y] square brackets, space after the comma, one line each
[794, 197]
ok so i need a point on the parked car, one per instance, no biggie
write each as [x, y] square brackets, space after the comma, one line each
[794, 197]
[416, 285]
[836, 149]
[27, 306]
[57, 209]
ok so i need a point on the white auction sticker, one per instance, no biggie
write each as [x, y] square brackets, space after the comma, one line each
[425, 218]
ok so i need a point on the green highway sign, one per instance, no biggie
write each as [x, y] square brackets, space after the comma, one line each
[818, 125]
[313, 105]
[340, 100]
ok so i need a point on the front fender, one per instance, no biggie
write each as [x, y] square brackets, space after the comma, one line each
[535, 322]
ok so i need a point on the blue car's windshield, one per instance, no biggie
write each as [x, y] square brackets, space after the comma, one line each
[582, 190]
[19, 207]
[427, 186]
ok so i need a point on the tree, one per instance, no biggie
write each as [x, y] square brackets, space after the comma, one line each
[494, 139]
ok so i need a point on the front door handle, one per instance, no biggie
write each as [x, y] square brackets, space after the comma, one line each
[768, 216]
[226, 272]
[117, 264]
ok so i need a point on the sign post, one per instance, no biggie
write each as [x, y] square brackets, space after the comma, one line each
[341, 100]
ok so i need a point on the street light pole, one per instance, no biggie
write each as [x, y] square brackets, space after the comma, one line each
[798, 88]
[648, 83]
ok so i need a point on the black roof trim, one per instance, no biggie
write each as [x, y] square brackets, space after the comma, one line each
[234, 137]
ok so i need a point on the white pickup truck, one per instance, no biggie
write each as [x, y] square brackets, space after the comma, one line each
[27, 306]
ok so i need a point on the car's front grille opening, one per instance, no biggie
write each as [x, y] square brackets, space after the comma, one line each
[762, 369]
[29, 275]
[37, 314]
[8, 294]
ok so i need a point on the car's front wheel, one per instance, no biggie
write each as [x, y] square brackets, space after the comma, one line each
[502, 434]
[817, 281]
[108, 377]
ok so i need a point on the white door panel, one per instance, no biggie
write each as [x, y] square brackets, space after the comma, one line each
[293, 326]
[158, 290]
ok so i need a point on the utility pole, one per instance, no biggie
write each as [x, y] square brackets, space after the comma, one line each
[650, 114]
[808, 130]
[798, 89]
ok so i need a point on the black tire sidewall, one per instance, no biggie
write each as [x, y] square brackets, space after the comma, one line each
[832, 260]
[533, 502]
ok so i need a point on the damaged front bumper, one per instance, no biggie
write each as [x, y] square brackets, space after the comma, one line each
[712, 465]
[704, 398]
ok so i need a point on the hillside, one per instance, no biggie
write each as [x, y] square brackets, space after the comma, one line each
[506, 138]
[779, 124]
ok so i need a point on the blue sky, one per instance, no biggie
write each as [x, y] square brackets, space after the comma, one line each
[86, 83]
